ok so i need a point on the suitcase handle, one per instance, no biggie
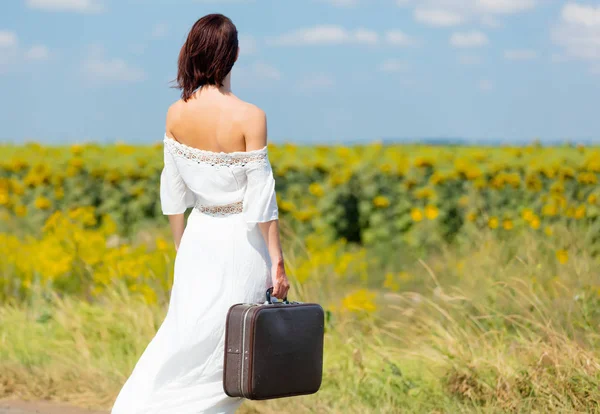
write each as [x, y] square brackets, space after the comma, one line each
[269, 292]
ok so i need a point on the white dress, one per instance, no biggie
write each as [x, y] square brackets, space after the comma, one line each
[222, 260]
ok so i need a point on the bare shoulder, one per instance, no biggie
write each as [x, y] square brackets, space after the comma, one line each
[173, 116]
[253, 113]
[254, 126]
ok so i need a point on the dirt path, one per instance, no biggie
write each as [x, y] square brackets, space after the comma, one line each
[41, 407]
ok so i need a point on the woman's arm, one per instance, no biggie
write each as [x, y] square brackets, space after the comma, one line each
[270, 232]
[256, 138]
[177, 223]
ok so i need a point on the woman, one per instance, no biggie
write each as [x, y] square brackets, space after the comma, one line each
[215, 160]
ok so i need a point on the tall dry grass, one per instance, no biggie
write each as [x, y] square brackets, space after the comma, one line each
[488, 325]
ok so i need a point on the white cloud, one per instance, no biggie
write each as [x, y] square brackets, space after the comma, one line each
[485, 85]
[447, 13]
[37, 52]
[399, 38]
[325, 35]
[256, 75]
[317, 35]
[224, 1]
[470, 60]
[469, 39]
[160, 30]
[12, 54]
[393, 65]
[520, 54]
[366, 37]
[8, 39]
[316, 81]
[79, 6]
[248, 45]
[9, 50]
[343, 3]
[99, 68]
[337, 35]
[266, 71]
[579, 31]
[505, 6]
[581, 14]
[491, 22]
[438, 17]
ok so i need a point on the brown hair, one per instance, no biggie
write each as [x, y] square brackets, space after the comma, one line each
[207, 55]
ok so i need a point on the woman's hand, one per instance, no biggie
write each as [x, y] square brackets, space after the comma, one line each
[281, 285]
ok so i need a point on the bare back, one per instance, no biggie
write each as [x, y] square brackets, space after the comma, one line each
[218, 122]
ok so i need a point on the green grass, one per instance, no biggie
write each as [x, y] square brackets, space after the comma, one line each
[487, 326]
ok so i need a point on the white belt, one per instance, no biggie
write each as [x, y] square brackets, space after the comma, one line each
[220, 210]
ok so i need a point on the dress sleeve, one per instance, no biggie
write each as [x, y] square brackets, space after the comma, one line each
[260, 202]
[175, 196]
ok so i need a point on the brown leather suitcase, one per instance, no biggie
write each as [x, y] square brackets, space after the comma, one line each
[273, 350]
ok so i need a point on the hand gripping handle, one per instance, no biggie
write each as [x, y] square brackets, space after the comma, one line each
[270, 292]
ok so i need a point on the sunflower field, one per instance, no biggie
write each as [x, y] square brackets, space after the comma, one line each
[367, 194]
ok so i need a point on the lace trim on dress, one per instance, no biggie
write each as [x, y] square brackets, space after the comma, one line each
[222, 210]
[227, 159]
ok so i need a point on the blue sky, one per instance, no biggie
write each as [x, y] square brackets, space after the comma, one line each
[325, 71]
